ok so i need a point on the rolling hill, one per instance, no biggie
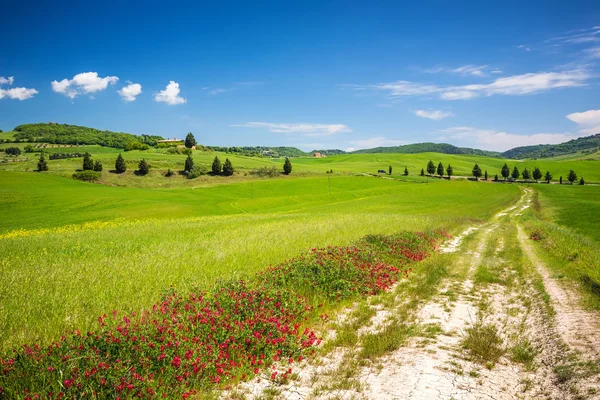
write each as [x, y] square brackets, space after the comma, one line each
[591, 143]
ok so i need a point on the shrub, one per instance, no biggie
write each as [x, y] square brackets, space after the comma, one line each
[581, 181]
[143, 167]
[129, 146]
[287, 166]
[169, 173]
[270, 172]
[42, 165]
[196, 171]
[97, 166]
[13, 151]
[422, 172]
[87, 176]
[405, 171]
[28, 148]
[120, 165]
[572, 177]
[227, 168]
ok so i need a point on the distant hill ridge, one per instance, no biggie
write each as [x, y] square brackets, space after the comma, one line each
[552, 150]
[428, 147]
[74, 134]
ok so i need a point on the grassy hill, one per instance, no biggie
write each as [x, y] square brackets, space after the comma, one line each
[588, 143]
[74, 134]
[427, 147]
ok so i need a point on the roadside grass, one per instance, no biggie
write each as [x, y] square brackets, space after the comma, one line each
[524, 352]
[483, 342]
[568, 254]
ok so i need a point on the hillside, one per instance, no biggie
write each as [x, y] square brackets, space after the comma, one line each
[73, 134]
[428, 147]
[552, 150]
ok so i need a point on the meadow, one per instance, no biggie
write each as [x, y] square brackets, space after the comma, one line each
[118, 248]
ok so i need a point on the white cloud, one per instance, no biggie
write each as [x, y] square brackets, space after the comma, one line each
[593, 52]
[170, 95]
[217, 91]
[522, 46]
[18, 93]
[83, 83]
[589, 121]
[515, 85]
[303, 129]
[369, 143]
[435, 115]
[465, 70]
[130, 92]
[490, 139]
[579, 36]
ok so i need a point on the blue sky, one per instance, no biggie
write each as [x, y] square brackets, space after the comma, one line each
[319, 74]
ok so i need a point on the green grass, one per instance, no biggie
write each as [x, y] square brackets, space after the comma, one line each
[160, 161]
[58, 274]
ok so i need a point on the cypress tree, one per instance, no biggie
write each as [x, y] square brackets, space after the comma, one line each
[430, 168]
[485, 175]
[390, 170]
[449, 171]
[143, 167]
[572, 177]
[98, 166]
[216, 166]
[42, 164]
[189, 164]
[227, 168]
[405, 171]
[581, 181]
[526, 174]
[88, 164]
[505, 171]
[548, 177]
[560, 180]
[440, 169]
[515, 173]
[422, 172]
[120, 165]
[190, 140]
[537, 174]
[287, 166]
[496, 178]
[476, 172]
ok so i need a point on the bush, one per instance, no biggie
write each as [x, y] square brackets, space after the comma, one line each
[270, 172]
[129, 146]
[87, 176]
[98, 166]
[28, 148]
[13, 151]
[88, 164]
[197, 171]
[169, 173]
[189, 164]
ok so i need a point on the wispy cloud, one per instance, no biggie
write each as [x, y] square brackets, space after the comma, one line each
[372, 142]
[296, 128]
[130, 92]
[465, 70]
[233, 87]
[515, 85]
[18, 93]
[170, 95]
[592, 52]
[524, 47]
[588, 121]
[83, 83]
[435, 115]
[490, 139]
[579, 36]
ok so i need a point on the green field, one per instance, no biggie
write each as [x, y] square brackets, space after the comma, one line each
[584, 165]
[138, 242]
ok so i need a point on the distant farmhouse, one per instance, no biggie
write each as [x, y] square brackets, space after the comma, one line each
[318, 155]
